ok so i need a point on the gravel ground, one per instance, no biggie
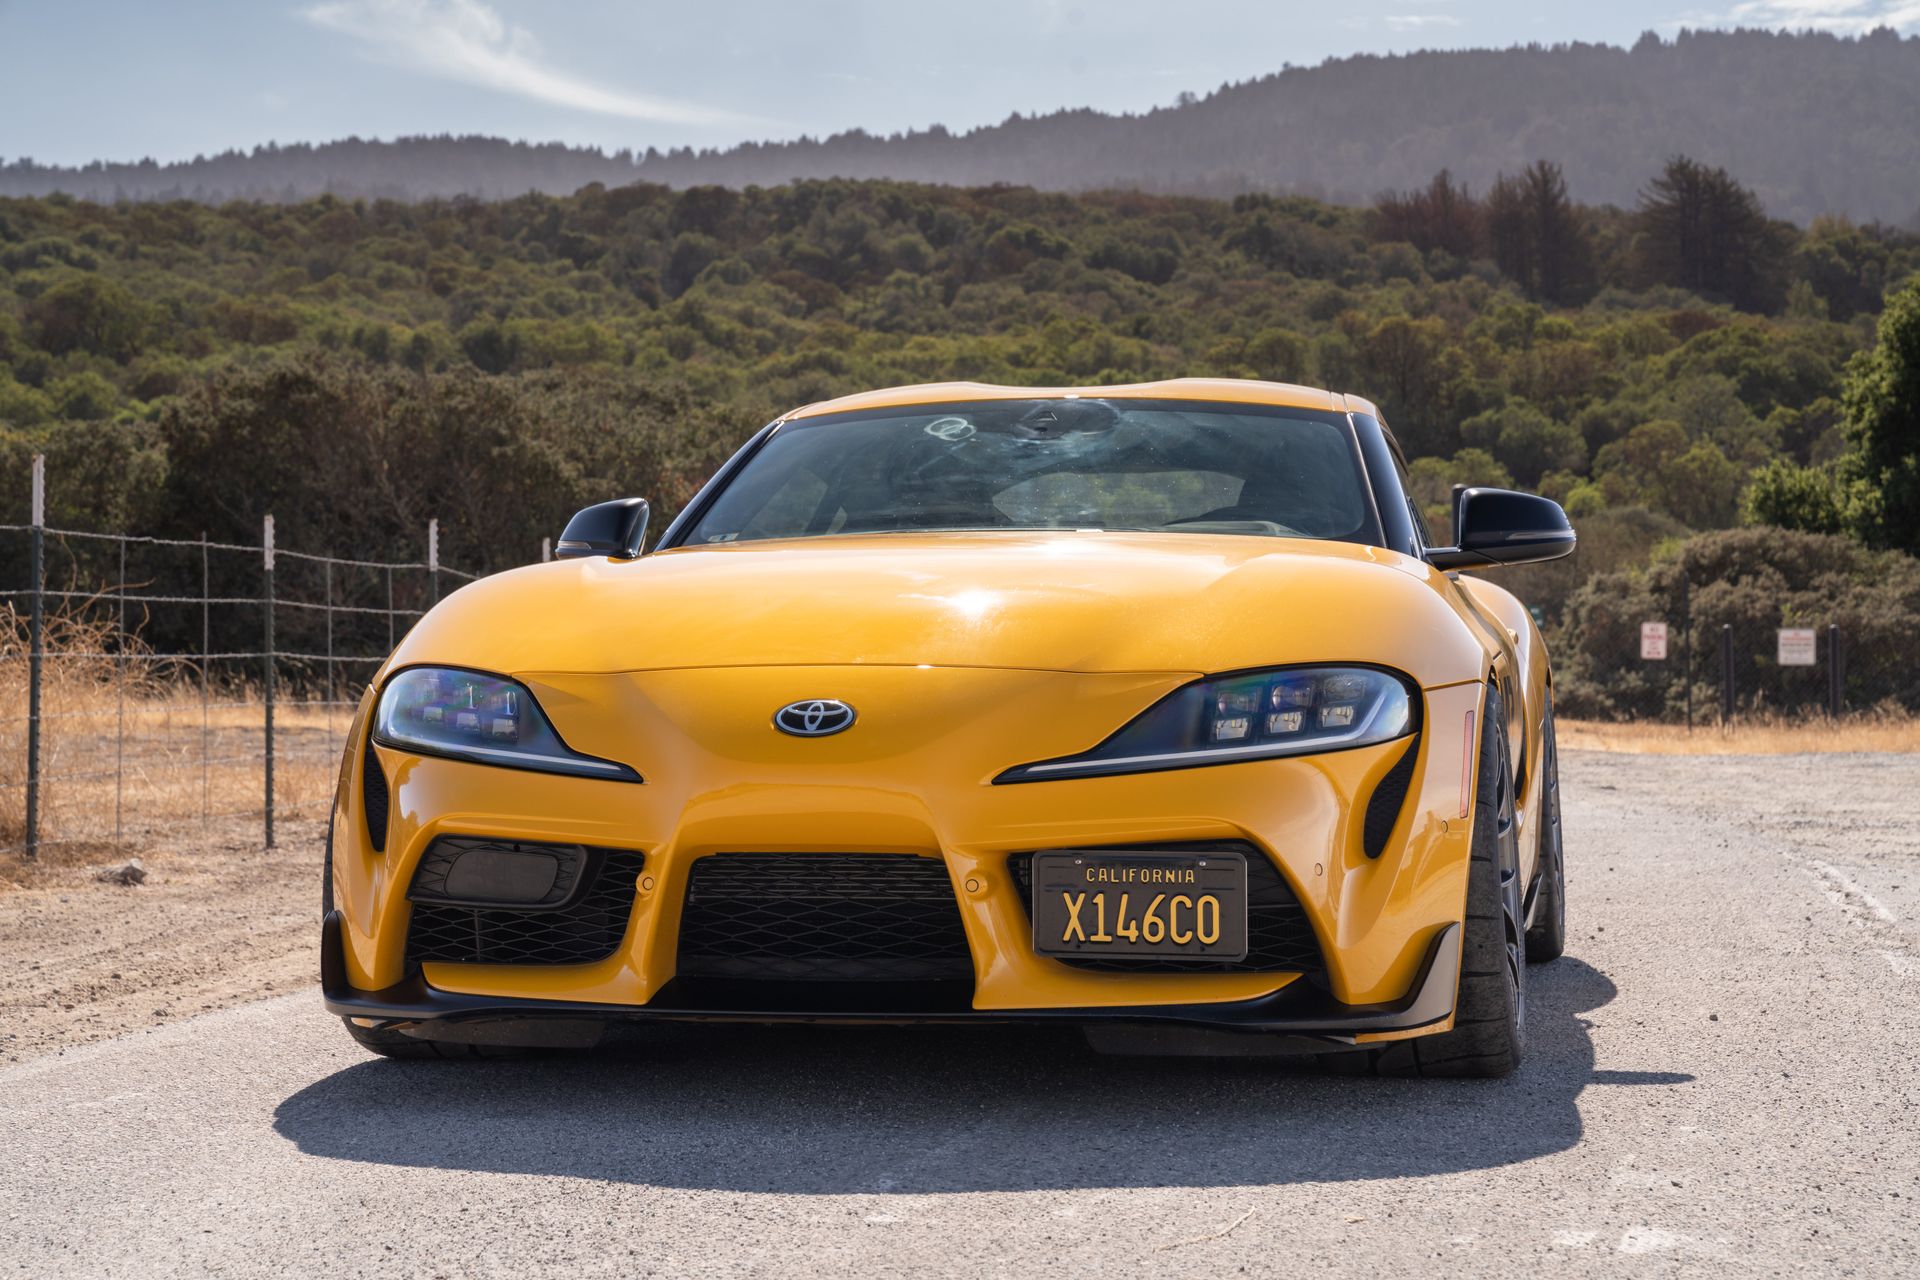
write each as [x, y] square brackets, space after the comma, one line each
[1722, 1081]
[218, 920]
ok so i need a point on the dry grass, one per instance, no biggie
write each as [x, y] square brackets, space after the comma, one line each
[1765, 736]
[136, 751]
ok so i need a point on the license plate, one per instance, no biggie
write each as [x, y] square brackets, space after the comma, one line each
[1165, 905]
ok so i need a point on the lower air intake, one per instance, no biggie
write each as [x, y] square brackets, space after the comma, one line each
[823, 917]
[581, 921]
[1280, 937]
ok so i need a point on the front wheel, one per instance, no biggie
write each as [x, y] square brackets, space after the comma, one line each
[1489, 1034]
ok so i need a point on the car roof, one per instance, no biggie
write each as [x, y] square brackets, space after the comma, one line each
[1223, 390]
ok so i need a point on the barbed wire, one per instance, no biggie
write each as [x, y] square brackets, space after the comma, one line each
[138, 649]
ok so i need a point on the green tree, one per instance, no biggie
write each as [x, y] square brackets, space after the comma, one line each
[22, 406]
[1536, 234]
[1844, 265]
[1442, 215]
[1793, 497]
[1881, 407]
[1526, 441]
[1703, 231]
[1408, 366]
[85, 395]
[89, 313]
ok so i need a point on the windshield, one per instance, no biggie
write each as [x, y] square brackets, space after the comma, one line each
[1177, 466]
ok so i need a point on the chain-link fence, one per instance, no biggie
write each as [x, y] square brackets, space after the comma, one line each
[1716, 650]
[1682, 670]
[153, 685]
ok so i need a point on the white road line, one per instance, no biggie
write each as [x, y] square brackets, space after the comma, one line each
[1861, 908]
[1852, 889]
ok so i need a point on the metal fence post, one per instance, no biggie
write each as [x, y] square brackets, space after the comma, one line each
[1836, 671]
[36, 636]
[206, 686]
[330, 699]
[266, 551]
[1686, 641]
[1726, 675]
[120, 702]
[546, 549]
[433, 560]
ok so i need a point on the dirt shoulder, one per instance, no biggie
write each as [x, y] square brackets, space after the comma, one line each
[219, 920]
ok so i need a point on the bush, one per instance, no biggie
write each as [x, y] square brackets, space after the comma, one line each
[1753, 580]
[88, 313]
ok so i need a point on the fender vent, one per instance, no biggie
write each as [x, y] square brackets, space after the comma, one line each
[373, 796]
[1383, 810]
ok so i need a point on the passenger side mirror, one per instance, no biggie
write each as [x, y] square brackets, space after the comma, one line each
[617, 529]
[1500, 526]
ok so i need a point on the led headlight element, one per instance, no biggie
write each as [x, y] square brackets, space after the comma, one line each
[1289, 712]
[469, 715]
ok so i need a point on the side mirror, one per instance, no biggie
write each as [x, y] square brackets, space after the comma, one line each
[617, 529]
[1499, 526]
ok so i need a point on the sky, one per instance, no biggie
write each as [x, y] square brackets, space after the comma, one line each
[83, 80]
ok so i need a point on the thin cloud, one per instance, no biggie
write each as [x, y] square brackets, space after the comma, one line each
[1418, 21]
[467, 41]
[1842, 17]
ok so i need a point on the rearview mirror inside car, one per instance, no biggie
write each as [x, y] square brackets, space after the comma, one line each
[617, 529]
[1500, 526]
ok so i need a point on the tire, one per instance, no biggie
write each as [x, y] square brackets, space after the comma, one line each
[394, 1044]
[1547, 934]
[1489, 1032]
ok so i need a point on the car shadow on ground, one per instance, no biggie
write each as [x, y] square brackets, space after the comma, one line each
[826, 1110]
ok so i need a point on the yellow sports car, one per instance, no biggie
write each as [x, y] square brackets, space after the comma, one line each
[1153, 710]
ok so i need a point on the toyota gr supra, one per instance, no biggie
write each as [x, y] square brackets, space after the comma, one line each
[1151, 710]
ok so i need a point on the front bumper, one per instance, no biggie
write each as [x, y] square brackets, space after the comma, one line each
[1297, 1010]
[917, 779]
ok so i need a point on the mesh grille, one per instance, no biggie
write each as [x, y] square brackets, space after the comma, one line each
[585, 929]
[1280, 937]
[1383, 809]
[373, 797]
[829, 917]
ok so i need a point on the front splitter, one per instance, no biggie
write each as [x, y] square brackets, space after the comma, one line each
[1296, 1010]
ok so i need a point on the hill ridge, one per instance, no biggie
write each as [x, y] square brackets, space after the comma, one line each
[1811, 121]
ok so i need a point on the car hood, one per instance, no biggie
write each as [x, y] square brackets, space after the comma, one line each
[1056, 601]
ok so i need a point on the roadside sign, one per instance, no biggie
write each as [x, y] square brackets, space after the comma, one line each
[1797, 647]
[1653, 641]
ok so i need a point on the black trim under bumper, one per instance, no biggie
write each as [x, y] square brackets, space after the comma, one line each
[1297, 1010]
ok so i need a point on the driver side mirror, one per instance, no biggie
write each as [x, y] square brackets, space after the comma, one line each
[617, 529]
[1500, 526]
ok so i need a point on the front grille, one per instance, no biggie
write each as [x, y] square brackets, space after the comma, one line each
[824, 917]
[1280, 937]
[587, 926]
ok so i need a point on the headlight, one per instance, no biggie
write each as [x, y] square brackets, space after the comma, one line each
[468, 715]
[1253, 716]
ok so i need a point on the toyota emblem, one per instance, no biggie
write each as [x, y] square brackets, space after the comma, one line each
[813, 718]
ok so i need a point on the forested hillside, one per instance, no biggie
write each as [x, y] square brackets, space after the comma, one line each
[357, 368]
[1815, 124]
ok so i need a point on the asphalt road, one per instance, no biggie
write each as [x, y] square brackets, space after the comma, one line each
[1724, 1079]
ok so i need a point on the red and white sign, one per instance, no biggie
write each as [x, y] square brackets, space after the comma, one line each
[1653, 641]
[1799, 647]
